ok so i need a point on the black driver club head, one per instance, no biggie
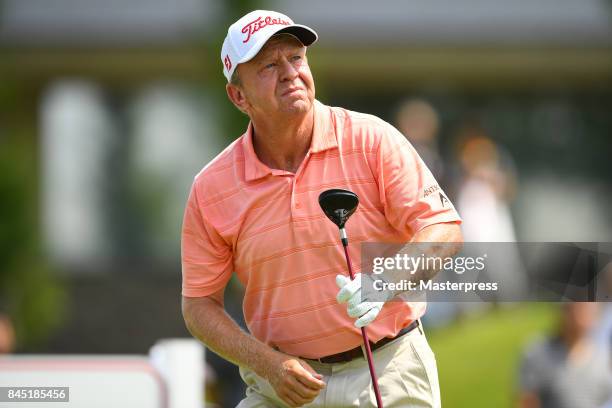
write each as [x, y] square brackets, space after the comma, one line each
[338, 205]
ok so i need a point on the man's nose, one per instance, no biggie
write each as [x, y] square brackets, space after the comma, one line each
[287, 70]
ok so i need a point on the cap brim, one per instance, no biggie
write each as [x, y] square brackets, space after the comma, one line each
[306, 35]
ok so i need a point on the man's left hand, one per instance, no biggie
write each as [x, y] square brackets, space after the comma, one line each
[350, 292]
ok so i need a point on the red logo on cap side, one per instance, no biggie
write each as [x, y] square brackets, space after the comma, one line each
[228, 63]
[256, 25]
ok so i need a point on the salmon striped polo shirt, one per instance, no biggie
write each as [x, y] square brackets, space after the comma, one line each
[266, 226]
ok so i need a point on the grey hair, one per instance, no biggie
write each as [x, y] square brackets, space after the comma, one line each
[235, 78]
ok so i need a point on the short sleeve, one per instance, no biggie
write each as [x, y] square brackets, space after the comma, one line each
[206, 258]
[410, 194]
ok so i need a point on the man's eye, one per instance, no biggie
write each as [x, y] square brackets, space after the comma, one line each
[269, 66]
[296, 58]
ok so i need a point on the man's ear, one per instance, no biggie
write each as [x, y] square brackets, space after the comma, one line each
[237, 96]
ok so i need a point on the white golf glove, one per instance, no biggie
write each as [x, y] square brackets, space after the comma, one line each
[350, 292]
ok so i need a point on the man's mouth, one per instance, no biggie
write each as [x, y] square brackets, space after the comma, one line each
[290, 91]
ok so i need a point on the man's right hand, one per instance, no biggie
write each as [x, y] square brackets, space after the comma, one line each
[294, 380]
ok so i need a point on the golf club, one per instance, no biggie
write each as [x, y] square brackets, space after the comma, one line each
[339, 205]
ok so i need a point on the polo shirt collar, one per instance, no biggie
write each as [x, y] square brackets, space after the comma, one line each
[323, 134]
[323, 138]
[253, 167]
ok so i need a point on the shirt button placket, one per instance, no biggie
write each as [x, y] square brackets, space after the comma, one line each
[298, 176]
[296, 203]
[291, 186]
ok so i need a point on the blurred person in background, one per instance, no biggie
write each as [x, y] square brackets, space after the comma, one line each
[568, 369]
[488, 185]
[7, 334]
[419, 122]
[487, 188]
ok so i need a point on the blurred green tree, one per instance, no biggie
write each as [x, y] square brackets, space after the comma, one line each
[30, 293]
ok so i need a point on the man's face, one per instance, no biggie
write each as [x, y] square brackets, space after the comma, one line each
[580, 317]
[277, 80]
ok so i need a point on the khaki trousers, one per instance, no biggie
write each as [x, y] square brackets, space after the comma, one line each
[406, 370]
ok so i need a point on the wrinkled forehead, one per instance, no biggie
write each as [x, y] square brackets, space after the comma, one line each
[279, 41]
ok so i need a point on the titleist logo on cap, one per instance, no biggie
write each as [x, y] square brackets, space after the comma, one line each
[261, 22]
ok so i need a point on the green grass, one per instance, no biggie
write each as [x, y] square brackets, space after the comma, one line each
[478, 356]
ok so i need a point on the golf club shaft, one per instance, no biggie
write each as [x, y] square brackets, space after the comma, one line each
[366, 340]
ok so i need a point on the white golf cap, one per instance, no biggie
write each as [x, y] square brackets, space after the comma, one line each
[249, 34]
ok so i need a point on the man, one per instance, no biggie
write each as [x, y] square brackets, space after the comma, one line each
[253, 210]
[567, 369]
